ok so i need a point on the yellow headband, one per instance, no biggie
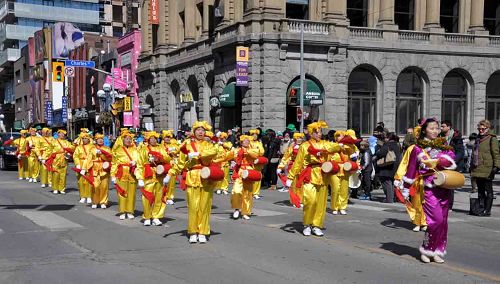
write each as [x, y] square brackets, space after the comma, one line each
[209, 134]
[313, 127]
[205, 125]
[254, 131]
[32, 129]
[24, 131]
[85, 135]
[126, 133]
[150, 134]
[167, 133]
[86, 130]
[223, 135]
[98, 136]
[243, 137]
[62, 131]
[350, 132]
[45, 130]
[339, 133]
[298, 135]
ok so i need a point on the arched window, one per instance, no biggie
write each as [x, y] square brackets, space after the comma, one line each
[493, 100]
[492, 16]
[454, 107]
[404, 14]
[449, 15]
[409, 100]
[357, 12]
[362, 96]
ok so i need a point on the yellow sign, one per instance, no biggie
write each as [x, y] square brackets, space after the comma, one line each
[186, 97]
[242, 53]
[127, 104]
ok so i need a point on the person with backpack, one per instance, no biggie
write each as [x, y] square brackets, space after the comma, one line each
[366, 170]
[387, 160]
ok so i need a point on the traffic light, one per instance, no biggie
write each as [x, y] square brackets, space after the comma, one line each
[57, 71]
[292, 96]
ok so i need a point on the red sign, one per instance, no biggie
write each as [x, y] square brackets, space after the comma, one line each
[299, 114]
[154, 12]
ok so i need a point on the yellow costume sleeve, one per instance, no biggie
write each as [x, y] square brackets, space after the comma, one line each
[401, 171]
[298, 165]
[287, 156]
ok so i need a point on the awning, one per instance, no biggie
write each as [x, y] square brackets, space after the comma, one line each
[229, 96]
[314, 95]
[301, 2]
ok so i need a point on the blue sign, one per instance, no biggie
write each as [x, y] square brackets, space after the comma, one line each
[79, 63]
[64, 109]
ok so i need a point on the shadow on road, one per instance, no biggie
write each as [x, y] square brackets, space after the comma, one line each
[295, 227]
[38, 207]
[397, 224]
[283, 203]
[400, 249]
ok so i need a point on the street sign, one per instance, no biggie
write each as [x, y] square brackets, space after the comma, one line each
[80, 63]
[69, 71]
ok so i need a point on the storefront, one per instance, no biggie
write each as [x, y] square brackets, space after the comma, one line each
[313, 102]
[230, 102]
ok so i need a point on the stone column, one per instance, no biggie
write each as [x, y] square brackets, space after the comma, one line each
[173, 24]
[189, 22]
[145, 29]
[163, 27]
[205, 20]
[386, 12]
[432, 14]
[336, 11]
[477, 16]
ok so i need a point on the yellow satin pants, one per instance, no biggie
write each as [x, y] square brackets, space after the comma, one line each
[256, 187]
[100, 192]
[34, 167]
[44, 175]
[157, 209]
[224, 184]
[23, 171]
[127, 204]
[171, 189]
[314, 204]
[416, 213]
[59, 179]
[242, 197]
[199, 207]
[84, 187]
[340, 192]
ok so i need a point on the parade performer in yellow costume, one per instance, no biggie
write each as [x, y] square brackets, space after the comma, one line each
[414, 208]
[122, 175]
[256, 144]
[339, 182]
[242, 193]
[102, 168]
[21, 143]
[119, 140]
[196, 153]
[83, 158]
[78, 140]
[33, 163]
[224, 158]
[288, 160]
[43, 151]
[307, 167]
[151, 155]
[171, 146]
[58, 161]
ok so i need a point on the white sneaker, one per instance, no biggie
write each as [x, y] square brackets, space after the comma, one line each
[123, 216]
[130, 216]
[35, 180]
[343, 212]
[63, 191]
[30, 180]
[335, 212]
[225, 192]
[246, 217]
[438, 259]
[307, 231]
[236, 214]
[170, 202]
[424, 258]
[94, 206]
[50, 185]
[301, 205]
[20, 178]
[193, 239]
[55, 192]
[416, 229]
[103, 206]
[43, 185]
[423, 229]
[218, 191]
[82, 200]
[256, 197]
[317, 231]
[147, 222]
[202, 239]
[157, 222]
[89, 200]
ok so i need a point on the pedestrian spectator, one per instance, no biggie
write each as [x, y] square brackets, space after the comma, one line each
[409, 139]
[366, 170]
[273, 154]
[485, 164]
[469, 146]
[387, 170]
[380, 134]
[454, 139]
[286, 142]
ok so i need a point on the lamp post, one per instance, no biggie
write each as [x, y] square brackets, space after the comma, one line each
[107, 98]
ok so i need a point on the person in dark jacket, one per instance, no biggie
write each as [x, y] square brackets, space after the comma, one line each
[485, 164]
[386, 172]
[273, 154]
[366, 170]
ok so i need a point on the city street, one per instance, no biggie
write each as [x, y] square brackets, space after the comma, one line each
[47, 238]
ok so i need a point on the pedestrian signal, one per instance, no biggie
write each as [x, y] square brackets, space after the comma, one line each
[292, 96]
[58, 71]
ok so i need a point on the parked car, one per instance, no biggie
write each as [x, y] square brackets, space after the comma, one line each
[8, 158]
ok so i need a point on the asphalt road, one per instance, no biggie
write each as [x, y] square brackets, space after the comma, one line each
[46, 238]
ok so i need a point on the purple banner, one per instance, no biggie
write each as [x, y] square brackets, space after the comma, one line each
[242, 73]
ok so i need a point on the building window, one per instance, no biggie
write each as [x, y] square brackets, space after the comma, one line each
[135, 15]
[449, 15]
[404, 14]
[154, 31]
[117, 31]
[454, 106]
[357, 12]
[493, 100]
[297, 9]
[361, 104]
[409, 100]
[117, 13]
[492, 16]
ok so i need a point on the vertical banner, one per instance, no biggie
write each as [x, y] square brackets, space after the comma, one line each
[128, 119]
[242, 57]
[31, 51]
[127, 104]
[154, 12]
[65, 109]
[48, 112]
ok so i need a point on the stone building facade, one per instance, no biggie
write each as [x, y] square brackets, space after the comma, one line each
[365, 70]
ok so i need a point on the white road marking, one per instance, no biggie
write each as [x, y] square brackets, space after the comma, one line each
[110, 216]
[49, 220]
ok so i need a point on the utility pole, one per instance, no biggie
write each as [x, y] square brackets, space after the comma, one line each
[302, 77]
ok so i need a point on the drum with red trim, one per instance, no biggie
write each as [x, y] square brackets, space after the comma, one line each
[106, 166]
[350, 166]
[330, 167]
[261, 161]
[212, 172]
[163, 169]
[251, 175]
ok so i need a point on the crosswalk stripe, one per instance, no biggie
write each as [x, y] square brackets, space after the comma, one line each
[49, 220]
